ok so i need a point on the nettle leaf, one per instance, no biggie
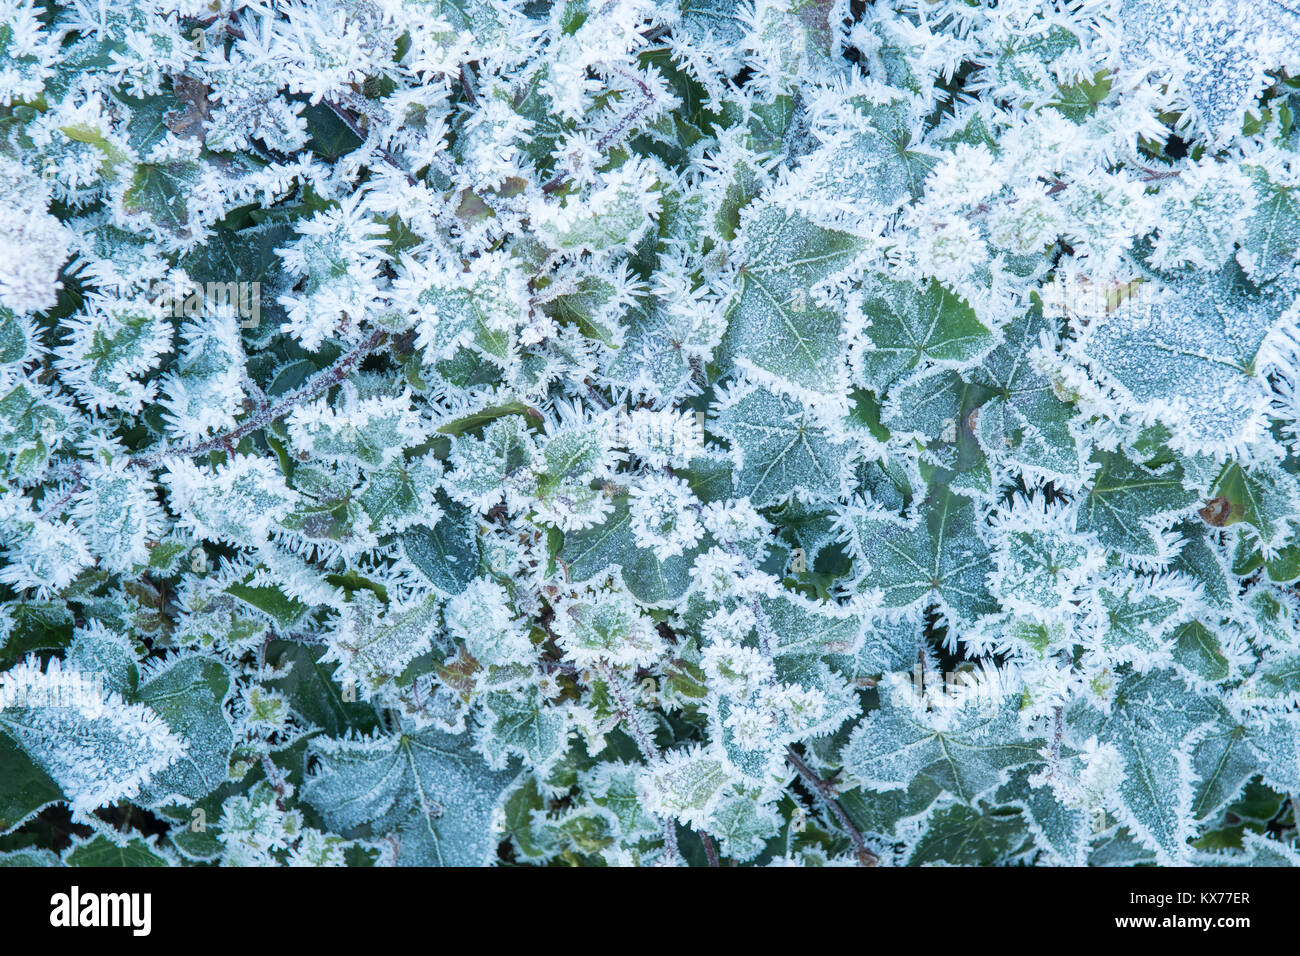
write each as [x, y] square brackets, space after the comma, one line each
[1187, 353]
[935, 557]
[101, 851]
[908, 326]
[781, 449]
[94, 745]
[776, 325]
[28, 789]
[429, 788]
[963, 836]
[190, 695]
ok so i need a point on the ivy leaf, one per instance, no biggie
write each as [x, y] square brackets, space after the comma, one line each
[782, 449]
[1024, 423]
[189, 693]
[1186, 353]
[1129, 507]
[776, 326]
[937, 556]
[1153, 722]
[908, 326]
[968, 747]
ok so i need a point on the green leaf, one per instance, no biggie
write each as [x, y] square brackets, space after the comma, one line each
[189, 694]
[27, 788]
[448, 553]
[776, 326]
[430, 788]
[783, 449]
[909, 325]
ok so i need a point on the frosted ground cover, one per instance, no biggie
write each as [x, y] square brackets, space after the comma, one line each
[630, 433]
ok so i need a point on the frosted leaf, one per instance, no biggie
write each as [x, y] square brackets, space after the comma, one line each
[1137, 616]
[614, 214]
[429, 788]
[664, 516]
[1264, 850]
[1264, 497]
[909, 326]
[604, 624]
[1129, 507]
[613, 786]
[118, 513]
[782, 450]
[1223, 761]
[103, 651]
[967, 748]
[109, 347]
[1219, 51]
[482, 617]
[777, 326]
[236, 503]
[653, 578]
[890, 644]
[482, 469]
[1203, 215]
[669, 341]
[521, 723]
[744, 826]
[1060, 830]
[369, 432]
[402, 494]
[687, 785]
[32, 423]
[1187, 354]
[805, 627]
[1271, 239]
[204, 389]
[1275, 683]
[1152, 722]
[97, 747]
[1279, 750]
[476, 308]
[190, 694]
[1025, 424]
[372, 644]
[1198, 652]
[961, 836]
[1040, 560]
[937, 557]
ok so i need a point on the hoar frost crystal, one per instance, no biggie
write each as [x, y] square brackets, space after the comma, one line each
[649, 432]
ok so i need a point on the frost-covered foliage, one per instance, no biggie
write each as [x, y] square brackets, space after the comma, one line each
[649, 432]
